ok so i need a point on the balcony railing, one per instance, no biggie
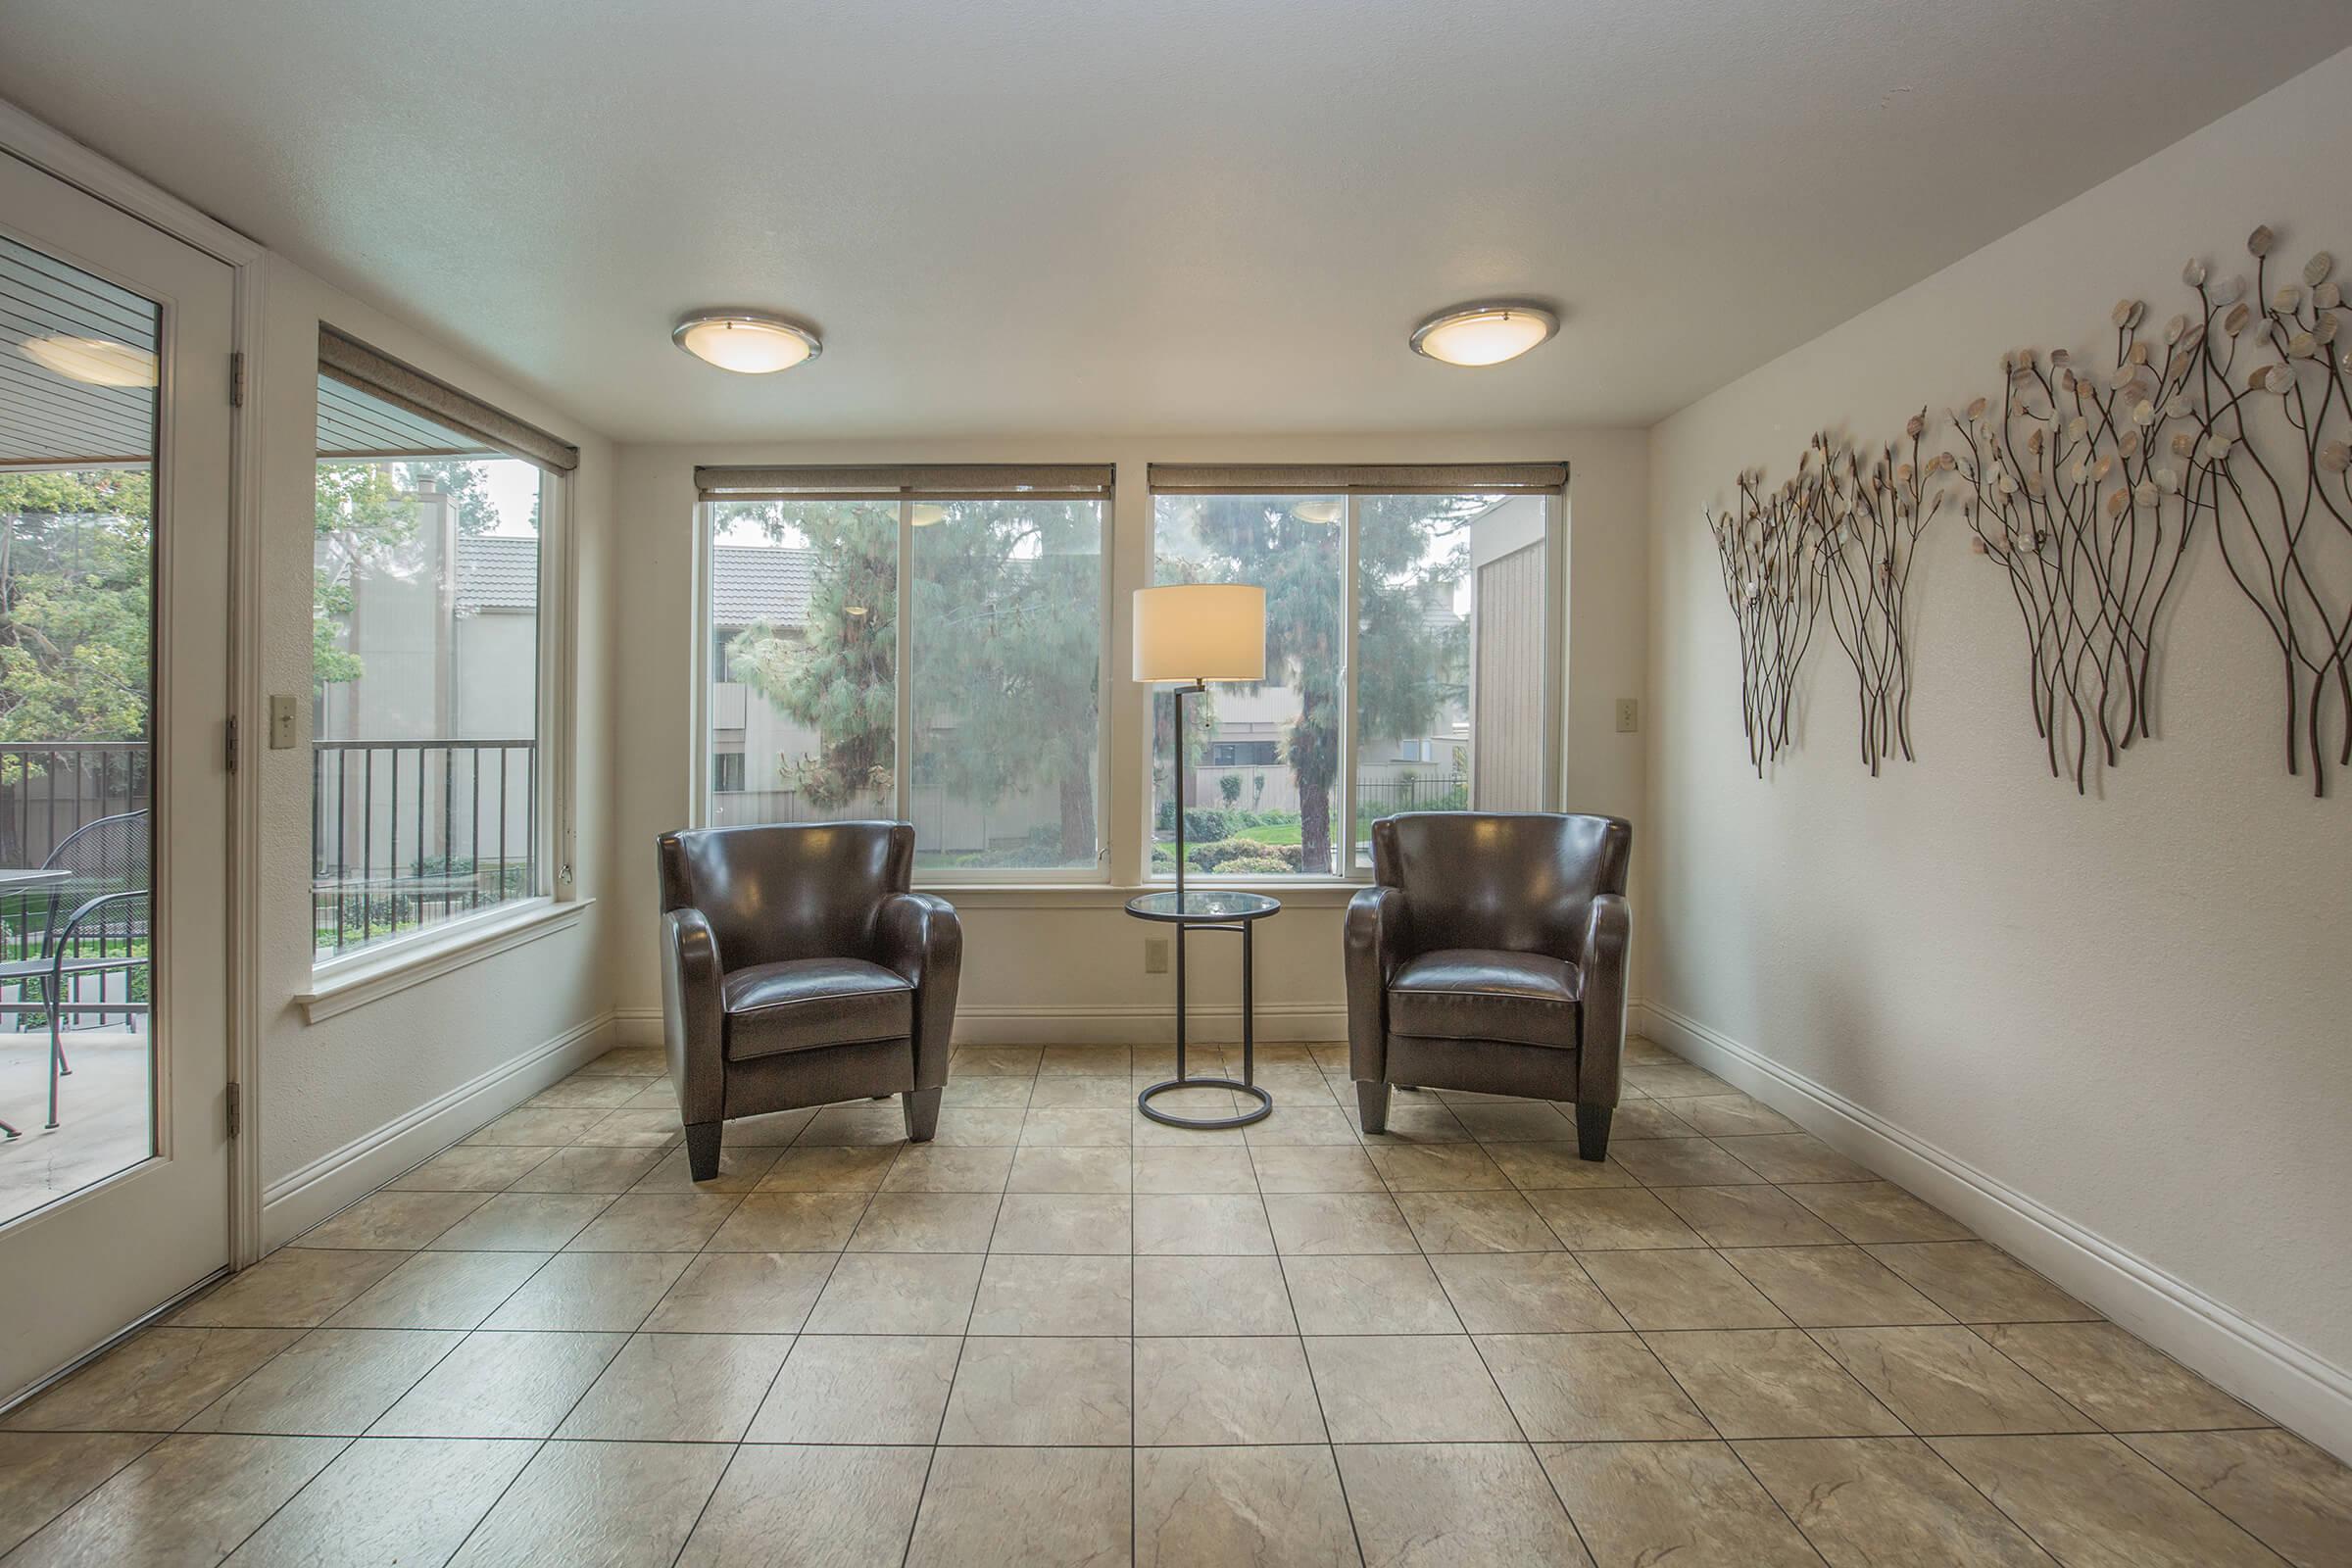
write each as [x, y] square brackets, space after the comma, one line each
[407, 834]
[1412, 791]
[49, 790]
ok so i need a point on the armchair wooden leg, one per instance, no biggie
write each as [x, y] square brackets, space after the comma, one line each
[1372, 1099]
[921, 1107]
[1592, 1131]
[701, 1149]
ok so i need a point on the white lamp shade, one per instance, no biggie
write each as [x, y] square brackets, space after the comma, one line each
[1200, 631]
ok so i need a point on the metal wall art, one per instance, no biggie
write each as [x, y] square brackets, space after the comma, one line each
[2086, 486]
[2277, 450]
[1872, 522]
[1837, 535]
[2078, 494]
[1772, 577]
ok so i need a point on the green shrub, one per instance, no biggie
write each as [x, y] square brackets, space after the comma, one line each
[1255, 865]
[1218, 854]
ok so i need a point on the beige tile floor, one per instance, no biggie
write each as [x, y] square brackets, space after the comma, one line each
[1061, 1334]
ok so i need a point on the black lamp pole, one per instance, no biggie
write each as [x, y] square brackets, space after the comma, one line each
[1182, 692]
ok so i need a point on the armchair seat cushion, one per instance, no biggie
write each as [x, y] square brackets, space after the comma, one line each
[802, 1004]
[1486, 994]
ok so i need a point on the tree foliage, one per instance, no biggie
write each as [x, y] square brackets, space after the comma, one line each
[1411, 553]
[1005, 644]
[463, 480]
[77, 592]
[364, 521]
[835, 672]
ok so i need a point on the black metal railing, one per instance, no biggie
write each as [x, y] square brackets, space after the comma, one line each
[49, 791]
[407, 834]
[1412, 791]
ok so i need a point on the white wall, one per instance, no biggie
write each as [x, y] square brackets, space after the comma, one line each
[2121, 1027]
[1060, 964]
[340, 1102]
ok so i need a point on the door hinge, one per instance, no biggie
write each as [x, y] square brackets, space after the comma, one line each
[236, 380]
[236, 1110]
[232, 743]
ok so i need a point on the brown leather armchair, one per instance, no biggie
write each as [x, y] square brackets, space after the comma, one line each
[1490, 956]
[797, 969]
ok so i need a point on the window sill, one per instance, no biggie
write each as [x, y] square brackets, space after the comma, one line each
[343, 984]
[1299, 892]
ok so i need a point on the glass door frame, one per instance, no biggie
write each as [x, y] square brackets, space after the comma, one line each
[48, 151]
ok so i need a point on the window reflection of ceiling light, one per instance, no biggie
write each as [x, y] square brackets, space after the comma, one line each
[93, 361]
[746, 343]
[1319, 511]
[1484, 335]
[929, 513]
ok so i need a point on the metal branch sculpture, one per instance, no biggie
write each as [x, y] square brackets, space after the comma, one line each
[1772, 577]
[2077, 495]
[1870, 528]
[2278, 444]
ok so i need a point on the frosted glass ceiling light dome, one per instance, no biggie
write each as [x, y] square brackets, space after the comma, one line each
[93, 361]
[746, 343]
[1484, 335]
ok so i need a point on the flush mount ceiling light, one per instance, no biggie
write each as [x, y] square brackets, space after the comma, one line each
[93, 361]
[1485, 334]
[1319, 511]
[929, 513]
[746, 343]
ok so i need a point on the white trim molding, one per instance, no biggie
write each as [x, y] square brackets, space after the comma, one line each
[300, 1200]
[1088, 1024]
[372, 975]
[2290, 1383]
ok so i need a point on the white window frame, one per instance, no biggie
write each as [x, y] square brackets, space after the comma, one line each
[1353, 872]
[375, 970]
[902, 775]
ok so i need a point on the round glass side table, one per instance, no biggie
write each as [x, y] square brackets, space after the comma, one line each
[1217, 909]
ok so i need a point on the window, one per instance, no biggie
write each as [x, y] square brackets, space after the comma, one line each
[987, 583]
[428, 789]
[1410, 656]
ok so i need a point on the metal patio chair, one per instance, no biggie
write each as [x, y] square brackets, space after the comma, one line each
[102, 898]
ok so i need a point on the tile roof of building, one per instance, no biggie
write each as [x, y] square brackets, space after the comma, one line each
[496, 571]
[753, 585]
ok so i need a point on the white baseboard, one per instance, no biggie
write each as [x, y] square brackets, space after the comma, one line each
[295, 1202]
[2291, 1385]
[1085, 1024]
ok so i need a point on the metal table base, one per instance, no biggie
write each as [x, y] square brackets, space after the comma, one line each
[1247, 1084]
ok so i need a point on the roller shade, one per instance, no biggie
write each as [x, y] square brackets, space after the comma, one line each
[1374, 478]
[968, 481]
[352, 364]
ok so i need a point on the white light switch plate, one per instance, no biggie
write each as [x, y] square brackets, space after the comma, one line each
[282, 715]
[1629, 714]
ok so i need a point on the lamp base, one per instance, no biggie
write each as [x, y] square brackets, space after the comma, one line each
[1264, 1108]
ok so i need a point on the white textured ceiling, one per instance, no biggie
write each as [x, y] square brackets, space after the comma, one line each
[1108, 215]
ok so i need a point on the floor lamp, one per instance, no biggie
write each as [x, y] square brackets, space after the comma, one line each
[1191, 634]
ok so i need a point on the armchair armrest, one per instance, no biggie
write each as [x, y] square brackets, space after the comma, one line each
[1375, 942]
[919, 937]
[1608, 931]
[693, 1015]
